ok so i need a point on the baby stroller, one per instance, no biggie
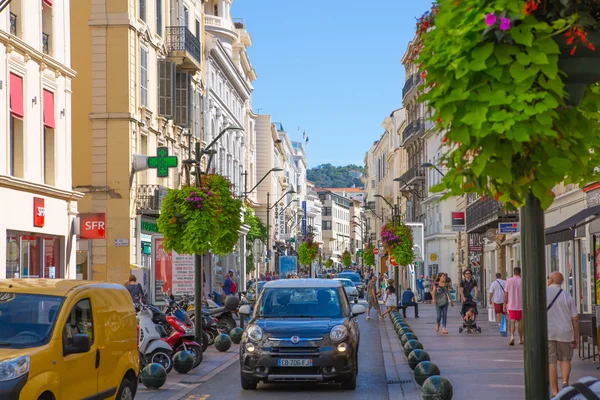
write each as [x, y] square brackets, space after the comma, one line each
[469, 325]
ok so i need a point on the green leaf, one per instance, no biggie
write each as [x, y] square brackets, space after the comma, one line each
[544, 195]
[560, 164]
[499, 98]
[496, 71]
[518, 72]
[523, 59]
[474, 118]
[547, 46]
[522, 36]
[504, 54]
[537, 57]
[482, 53]
[477, 65]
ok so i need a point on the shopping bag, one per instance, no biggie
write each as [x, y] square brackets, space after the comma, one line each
[503, 326]
[491, 314]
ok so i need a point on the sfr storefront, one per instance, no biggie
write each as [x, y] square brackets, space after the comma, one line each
[39, 236]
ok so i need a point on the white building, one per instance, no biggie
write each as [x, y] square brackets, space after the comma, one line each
[40, 206]
[336, 225]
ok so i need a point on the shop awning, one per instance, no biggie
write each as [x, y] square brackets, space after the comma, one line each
[48, 103]
[16, 96]
[565, 231]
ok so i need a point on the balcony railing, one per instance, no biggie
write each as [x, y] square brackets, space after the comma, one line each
[412, 174]
[415, 128]
[180, 39]
[211, 21]
[414, 80]
[13, 24]
[150, 198]
[486, 213]
[46, 43]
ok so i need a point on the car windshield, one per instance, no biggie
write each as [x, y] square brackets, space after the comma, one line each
[303, 303]
[347, 282]
[352, 277]
[27, 320]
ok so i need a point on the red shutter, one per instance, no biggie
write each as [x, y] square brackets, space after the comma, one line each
[47, 2]
[49, 109]
[16, 96]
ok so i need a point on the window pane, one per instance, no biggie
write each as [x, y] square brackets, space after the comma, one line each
[79, 322]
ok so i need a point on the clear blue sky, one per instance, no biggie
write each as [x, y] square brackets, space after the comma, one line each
[331, 67]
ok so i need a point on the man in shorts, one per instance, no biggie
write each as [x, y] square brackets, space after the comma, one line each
[563, 330]
[372, 295]
[497, 296]
[513, 302]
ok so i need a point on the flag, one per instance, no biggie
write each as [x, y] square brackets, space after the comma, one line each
[304, 136]
[306, 141]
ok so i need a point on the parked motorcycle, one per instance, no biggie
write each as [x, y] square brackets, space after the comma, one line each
[151, 346]
[224, 314]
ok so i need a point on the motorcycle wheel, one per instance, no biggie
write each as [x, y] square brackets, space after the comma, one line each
[212, 334]
[196, 353]
[192, 315]
[205, 340]
[162, 357]
[226, 323]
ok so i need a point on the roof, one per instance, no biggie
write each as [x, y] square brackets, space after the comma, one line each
[342, 279]
[51, 287]
[349, 190]
[302, 283]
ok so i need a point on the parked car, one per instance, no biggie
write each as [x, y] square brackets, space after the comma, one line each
[355, 278]
[350, 289]
[62, 339]
[301, 330]
[254, 291]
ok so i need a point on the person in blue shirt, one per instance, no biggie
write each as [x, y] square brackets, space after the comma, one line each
[227, 285]
[420, 287]
[408, 300]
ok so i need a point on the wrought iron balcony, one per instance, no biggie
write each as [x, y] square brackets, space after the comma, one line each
[413, 174]
[485, 214]
[413, 129]
[413, 81]
[150, 198]
[184, 48]
[46, 43]
[13, 24]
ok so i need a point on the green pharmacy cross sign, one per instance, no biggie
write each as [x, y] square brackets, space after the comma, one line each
[162, 162]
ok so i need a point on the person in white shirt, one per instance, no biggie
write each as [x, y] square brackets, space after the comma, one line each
[563, 330]
[497, 296]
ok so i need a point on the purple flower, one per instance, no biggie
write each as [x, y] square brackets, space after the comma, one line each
[196, 199]
[490, 19]
[192, 193]
[199, 205]
[504, 24]
[209, 193]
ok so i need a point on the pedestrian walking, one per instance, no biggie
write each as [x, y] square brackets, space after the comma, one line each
[135, 290]
[513, 302]
[372, 296]
[391, 300]
[420, 288]
[441, 290]
[497, 296]
[409, 300]
[563, 330]
[427, 291]
[468, 291]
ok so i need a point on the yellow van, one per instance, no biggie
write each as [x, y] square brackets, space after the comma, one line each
[67, 340]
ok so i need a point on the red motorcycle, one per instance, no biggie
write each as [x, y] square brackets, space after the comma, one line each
[181, 337]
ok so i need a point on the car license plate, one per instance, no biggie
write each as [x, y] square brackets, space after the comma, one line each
[294, 362]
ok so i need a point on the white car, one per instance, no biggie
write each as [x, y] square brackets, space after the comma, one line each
[351, 290]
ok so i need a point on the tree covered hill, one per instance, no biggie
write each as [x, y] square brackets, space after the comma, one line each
[329, 176]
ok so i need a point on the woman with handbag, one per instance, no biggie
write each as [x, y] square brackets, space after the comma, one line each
[441, 291]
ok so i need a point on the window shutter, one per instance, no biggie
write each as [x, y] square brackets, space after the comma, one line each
[198, 113]
[159, 23]
[143, 10]
[182, 98]
[166, 88]
[144, 76]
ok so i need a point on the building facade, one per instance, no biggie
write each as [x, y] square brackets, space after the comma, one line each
[38, 228]
[336, 225]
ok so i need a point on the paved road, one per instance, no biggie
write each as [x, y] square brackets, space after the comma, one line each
[371, 384]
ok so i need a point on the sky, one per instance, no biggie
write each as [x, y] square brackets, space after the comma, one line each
[333, 69]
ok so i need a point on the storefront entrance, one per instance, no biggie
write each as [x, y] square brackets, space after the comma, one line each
[34, 255]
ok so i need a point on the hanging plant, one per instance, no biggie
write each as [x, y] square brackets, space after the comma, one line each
[308, 250]
[328, 263]
[201, 219]
[369, 256]
[398, 241]
[494, 85]
[347, 258]
[250, 267]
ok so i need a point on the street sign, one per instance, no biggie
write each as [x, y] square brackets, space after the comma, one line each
[162, 162]
[508, 227]
[121, 242]
[376, 250]
[393, 261]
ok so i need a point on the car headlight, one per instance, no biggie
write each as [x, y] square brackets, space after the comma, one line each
[13, 369]
[338, 333]
[255, 333]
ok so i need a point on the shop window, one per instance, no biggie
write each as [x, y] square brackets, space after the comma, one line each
[47, 29]
[33, 256]
[80, 321]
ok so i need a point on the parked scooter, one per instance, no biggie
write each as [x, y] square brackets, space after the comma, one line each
[224, 314]
[151, 346]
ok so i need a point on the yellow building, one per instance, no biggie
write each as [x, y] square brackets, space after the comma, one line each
[139, 86]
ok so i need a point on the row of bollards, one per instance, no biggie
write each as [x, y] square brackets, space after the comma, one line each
[427, 374]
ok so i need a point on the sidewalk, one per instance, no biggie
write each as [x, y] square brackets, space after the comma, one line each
[179, 385]
[479, 366]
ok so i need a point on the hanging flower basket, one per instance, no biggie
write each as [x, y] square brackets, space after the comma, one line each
[398, 241]
[308, 250]
[347, 258]
[196, 220]
[369, 256]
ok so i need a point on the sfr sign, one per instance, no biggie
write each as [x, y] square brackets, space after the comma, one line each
[92, 226]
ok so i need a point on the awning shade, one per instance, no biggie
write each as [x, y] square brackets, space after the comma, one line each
[47, 2]
[16, 96]
[49, 109]
[565, 231]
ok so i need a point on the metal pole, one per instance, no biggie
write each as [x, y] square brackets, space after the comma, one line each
[198, 296]
[534, 300]
[268, 231]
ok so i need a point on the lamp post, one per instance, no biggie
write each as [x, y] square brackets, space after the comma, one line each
[430, 165]
[362, 234]
[247, 192]
[269, 207]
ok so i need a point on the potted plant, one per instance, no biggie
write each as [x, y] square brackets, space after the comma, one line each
[196, 220]
[398, 241]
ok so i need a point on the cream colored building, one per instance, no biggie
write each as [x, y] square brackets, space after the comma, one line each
[37, 220]
[140, 86]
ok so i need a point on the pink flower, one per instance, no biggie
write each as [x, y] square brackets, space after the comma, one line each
[490, 19]
[504, 24]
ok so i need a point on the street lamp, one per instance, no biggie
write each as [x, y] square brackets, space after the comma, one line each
[269, 208]
[247, 192]
[430, 165]
[413, 191]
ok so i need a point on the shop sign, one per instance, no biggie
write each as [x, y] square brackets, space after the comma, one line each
[172, 273]
[92, 226]
[149, 226]
[393, 261]
[39, 212]
[281, 221]
[121, 242]
[458, 221]
[508, 227]
[433, 257]
[475, 248]
[593, 198]
[304, 218]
